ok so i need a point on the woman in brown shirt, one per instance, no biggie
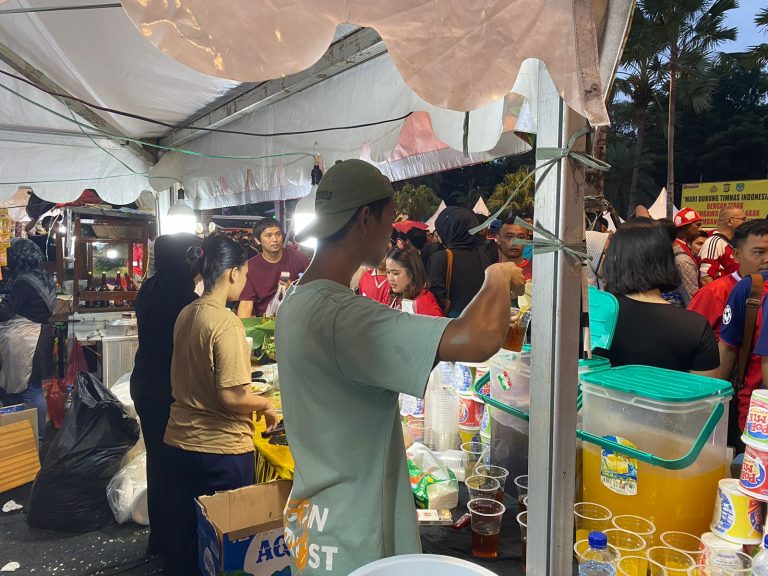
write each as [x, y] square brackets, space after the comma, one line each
[209, 438]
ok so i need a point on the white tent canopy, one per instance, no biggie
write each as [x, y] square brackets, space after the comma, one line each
[433, 218]
[481, 208]
[659, 208]
[56, 49]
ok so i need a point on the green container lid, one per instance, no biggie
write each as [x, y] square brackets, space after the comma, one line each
[659, 383]
[594, 363]
[603, 315]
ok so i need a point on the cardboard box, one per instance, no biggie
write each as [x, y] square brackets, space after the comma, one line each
[240, 532]
[19, 459]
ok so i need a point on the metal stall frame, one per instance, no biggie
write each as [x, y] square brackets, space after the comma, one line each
[559, 208]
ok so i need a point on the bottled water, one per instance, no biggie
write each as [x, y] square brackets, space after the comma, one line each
[597, 560]
[760, 562]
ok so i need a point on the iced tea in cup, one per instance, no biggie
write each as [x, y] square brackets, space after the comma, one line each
[486, 526]
[494, 472]
[522, 520]
[518, 326]
[482, 487]
[588, 517]
[521, 483]
[664, 561]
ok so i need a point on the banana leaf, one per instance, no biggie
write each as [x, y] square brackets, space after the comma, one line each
[258, 328]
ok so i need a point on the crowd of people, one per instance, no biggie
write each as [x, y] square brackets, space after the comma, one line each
[685, 298]
[688, 300]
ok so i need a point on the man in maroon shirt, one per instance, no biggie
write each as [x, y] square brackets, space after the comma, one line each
[264, 269]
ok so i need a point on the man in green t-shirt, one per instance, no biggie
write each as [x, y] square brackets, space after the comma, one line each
[343, 361]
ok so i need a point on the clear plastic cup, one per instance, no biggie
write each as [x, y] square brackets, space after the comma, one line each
[416, 430]
[582, 545]
[688, 543]
[703, 570]
[522, 521]
[627, 543]
[589, 516]
[494, 472]
[518, 326]
[637, 524]
[521, 483]
[473, 451]
[486, 526]
[525, 503]
[632, 566]
[736, 563]
[482, 487]
[665, 561]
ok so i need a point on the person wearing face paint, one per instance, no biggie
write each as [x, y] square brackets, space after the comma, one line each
[209, 437]
[408, 281]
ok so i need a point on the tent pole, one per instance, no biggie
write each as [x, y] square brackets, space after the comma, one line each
[556, 310]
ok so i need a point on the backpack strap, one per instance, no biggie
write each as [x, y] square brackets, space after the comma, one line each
[750, 322]
[448, 277]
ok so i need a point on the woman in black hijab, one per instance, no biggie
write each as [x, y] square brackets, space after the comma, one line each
[158, 304]
[463, 261]
[24, 315]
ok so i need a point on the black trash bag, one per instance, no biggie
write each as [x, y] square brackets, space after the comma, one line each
[70, 492]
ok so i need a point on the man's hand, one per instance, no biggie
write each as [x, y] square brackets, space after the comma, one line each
[270, 418]
[513, 276]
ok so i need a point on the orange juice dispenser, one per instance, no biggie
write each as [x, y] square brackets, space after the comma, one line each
[654, 444]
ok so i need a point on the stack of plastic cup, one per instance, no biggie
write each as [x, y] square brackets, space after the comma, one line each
[441, 424]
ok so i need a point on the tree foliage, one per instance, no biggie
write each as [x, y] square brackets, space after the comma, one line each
[523, 201]
[418, 202]
[688, 32]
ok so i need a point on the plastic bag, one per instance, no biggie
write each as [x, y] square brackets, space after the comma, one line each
[55, 397]
[434, 484]
[125, 489]
[70, 492]
[272, 307]
[122, 391]
[75, 365]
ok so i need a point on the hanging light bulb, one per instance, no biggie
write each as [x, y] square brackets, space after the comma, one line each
[180, 217]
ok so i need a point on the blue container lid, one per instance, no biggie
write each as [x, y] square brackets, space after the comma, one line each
[597, 540]
[658, 383]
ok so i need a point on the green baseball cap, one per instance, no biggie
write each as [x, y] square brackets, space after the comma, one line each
[344, 188]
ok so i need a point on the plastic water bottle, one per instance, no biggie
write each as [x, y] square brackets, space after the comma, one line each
[760, 562]
[597, 560]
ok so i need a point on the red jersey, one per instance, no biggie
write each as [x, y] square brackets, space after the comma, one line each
[716, 257]
[710, 300]
[374, 286]
[425, 304]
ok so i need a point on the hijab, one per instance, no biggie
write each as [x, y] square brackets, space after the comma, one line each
[453, 225]
[173, 279]
[161, 298]
[25, 262]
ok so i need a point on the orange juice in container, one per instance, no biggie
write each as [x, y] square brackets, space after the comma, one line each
[654, 444]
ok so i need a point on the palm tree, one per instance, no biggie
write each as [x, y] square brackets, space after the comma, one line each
[640, 76]
[689, 31]
[758, 55]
